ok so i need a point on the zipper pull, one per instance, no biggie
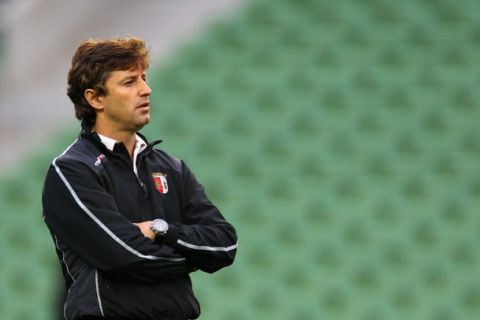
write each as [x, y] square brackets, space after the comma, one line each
[143, 187]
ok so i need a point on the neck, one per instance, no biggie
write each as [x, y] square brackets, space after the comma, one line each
[128, 138]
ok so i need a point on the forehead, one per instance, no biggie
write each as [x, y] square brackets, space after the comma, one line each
[118, 75]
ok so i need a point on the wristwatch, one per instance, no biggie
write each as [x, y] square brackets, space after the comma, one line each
[159, 227]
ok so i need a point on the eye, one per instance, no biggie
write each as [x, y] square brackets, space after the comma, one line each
[129, 82]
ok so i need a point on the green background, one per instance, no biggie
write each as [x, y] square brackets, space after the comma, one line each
[339, 137]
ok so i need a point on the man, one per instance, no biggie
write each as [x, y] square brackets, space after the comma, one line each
[129, 222]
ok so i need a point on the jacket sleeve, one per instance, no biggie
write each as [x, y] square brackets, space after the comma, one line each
[85, 218]
[205, 238]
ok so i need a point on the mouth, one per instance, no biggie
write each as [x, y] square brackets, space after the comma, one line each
[145, 105]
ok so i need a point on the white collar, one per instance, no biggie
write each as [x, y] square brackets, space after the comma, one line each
[140, 145]
[109, 143]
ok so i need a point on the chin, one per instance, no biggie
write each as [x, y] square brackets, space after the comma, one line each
[143, 123]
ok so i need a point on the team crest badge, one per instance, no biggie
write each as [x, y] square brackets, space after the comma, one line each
[160, 180]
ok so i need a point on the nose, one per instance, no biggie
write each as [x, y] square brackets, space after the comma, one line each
[145, 89]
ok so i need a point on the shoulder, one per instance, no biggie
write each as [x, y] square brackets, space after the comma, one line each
[167, 160]
[81, 153]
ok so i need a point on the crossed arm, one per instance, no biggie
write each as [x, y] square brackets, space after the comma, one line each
[84, 217]
[204, 238]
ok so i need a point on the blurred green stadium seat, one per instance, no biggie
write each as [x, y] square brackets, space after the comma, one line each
[341, 138]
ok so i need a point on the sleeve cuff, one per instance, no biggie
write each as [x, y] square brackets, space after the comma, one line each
[171, 237]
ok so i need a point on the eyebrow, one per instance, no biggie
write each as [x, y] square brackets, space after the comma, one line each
[132, 76]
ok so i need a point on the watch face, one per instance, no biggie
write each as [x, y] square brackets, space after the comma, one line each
[160, 226]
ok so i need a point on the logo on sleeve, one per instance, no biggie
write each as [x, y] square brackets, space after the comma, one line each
[160, 180]
[99, 160]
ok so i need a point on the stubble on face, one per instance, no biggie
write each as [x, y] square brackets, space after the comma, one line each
[127, 101]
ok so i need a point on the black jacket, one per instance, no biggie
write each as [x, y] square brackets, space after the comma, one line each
[91, 197]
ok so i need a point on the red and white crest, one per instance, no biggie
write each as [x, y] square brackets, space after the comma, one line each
[160, 180]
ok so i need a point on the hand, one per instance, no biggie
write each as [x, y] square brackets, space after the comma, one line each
[146, 230]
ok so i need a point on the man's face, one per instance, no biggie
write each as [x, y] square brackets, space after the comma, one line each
[126, 104]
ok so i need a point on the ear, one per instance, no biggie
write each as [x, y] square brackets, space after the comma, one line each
[95, 100]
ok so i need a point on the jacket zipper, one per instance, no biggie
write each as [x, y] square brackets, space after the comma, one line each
[143, 187]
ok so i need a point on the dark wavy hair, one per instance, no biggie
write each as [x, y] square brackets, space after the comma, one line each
[92, 63]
